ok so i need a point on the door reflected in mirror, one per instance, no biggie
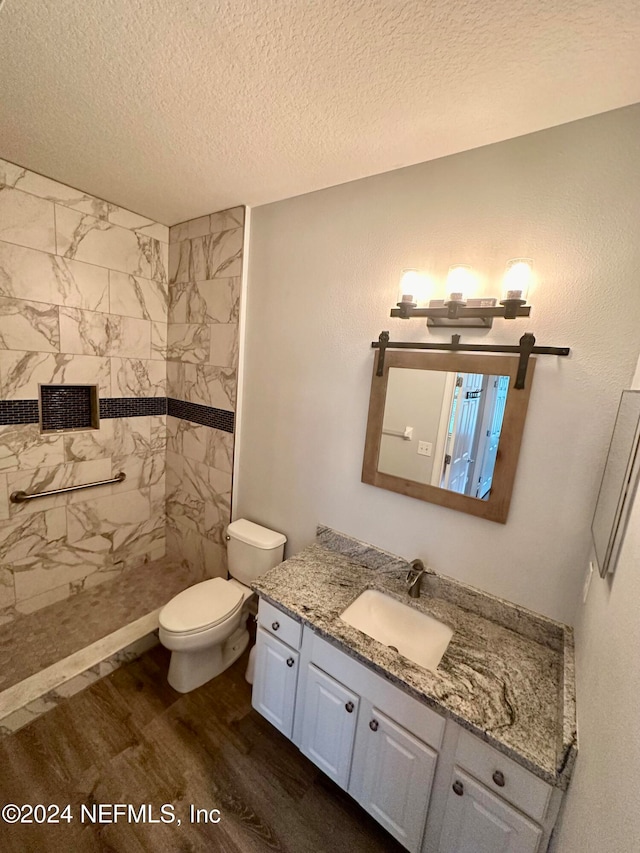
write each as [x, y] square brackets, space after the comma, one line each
[443, 428]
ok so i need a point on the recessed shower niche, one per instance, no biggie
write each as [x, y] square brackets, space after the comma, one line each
[68, 407]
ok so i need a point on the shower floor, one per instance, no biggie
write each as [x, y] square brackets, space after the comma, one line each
[38, 640]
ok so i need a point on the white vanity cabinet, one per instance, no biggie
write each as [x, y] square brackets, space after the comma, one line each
[431, 784]
[276, 669]
[371, 738]
[494, 804]
[477, 821]
[392, 774]
[329, 724]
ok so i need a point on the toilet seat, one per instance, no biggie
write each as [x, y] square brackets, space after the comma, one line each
[201, 607]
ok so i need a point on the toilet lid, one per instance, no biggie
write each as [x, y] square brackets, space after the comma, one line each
[201, 606]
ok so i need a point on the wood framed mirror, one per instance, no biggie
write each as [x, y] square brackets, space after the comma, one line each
[447, 428]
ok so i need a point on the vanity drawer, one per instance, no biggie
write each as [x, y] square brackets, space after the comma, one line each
[278, 623]
[503, 776]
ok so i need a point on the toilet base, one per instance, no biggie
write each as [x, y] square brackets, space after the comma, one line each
[189, 670]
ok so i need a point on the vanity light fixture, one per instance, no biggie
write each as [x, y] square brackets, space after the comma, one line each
[459, 308]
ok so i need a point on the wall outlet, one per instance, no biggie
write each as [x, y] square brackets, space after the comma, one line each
[425, 448]
[587, 582]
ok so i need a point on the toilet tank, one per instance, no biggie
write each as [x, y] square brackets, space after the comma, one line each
[252, 550]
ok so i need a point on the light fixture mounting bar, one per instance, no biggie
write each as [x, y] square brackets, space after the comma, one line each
[463, 316]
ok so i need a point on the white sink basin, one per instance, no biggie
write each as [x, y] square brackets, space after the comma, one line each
[415, 635]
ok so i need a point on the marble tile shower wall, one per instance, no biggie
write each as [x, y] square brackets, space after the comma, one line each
[83, 299]
[205, 265]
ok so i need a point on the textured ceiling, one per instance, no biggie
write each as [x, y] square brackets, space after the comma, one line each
[175, 108]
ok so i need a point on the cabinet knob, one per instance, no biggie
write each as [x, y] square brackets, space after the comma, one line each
[290, 662]
[458, 788]
[275, 625]
[498, 778]
[373, 725]
[349, 707]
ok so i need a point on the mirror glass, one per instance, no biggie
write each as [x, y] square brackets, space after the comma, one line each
[619, 483]
[447, 428]
[443, 428]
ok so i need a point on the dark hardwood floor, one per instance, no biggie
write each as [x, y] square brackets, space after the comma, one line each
[130, 738]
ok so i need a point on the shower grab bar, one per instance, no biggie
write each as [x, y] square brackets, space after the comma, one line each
[21, 497]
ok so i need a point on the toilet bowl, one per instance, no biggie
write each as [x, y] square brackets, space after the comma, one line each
[204, 626]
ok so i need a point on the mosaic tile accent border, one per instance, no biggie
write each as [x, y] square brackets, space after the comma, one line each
[204, 415]
[26, 411]
[18, 412]
[132, 407]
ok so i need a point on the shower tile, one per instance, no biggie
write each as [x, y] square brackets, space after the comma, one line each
[158, 432]
[209, 385]
[158, 254]
[224, 345]
[30, 536]
[134, 296]
[135, 543]
[46, 188]
[176, 428]
[93, 333]
[215, 559]
[128, 219]
[44, 599]
[30, 274]
[190, 229]
[159, 341]
[214, 301]
[183, 542]
[85, 238]
[23, 448]
[175, 468]
[219, 453]
[26, 220]
[156, 231]
[194, 440]
[90, 444]
[179, 256]
[225, 220]
[107, 517]
[195, 480]
[188, 343]
[157, 500]
[216, 255]
[97, 579]
[175, 380]
[135, 377]
[21, 372]
[7, 591]
[209, 256]
[59, 565]
[4, 498]
[33, 325]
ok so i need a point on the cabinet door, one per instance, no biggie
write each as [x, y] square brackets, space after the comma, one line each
[477, 821]
[329, 723]
[393, 774]
[274, 687]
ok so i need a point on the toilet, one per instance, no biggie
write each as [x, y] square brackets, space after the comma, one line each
[204, 626]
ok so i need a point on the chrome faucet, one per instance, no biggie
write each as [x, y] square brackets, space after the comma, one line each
[414, 578]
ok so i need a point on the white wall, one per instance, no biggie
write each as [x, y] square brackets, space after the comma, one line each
[601, 811]
[323, 275]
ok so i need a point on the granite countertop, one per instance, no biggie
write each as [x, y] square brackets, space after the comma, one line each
[507, 674]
